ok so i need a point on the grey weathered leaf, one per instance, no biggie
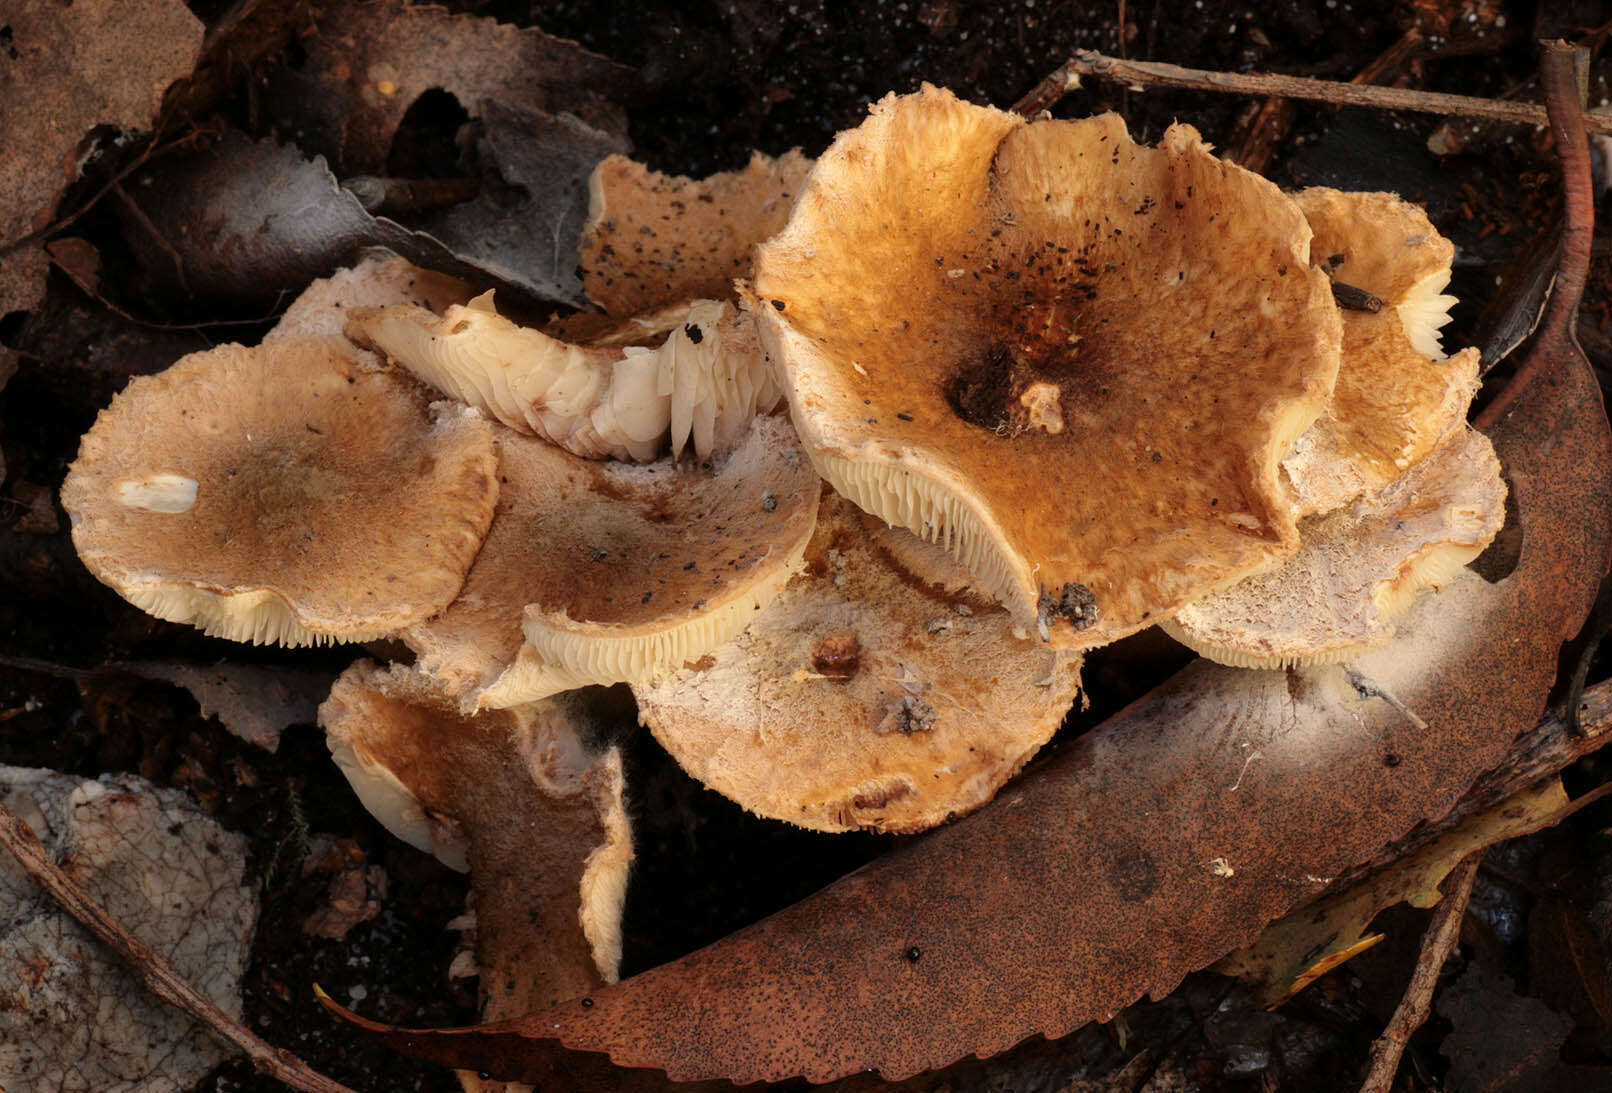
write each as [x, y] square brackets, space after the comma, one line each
[72, 1018]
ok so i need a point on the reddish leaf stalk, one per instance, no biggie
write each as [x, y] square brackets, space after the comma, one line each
[1558, 76]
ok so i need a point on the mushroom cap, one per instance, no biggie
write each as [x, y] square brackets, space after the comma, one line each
[1074, 361]
[1389, 248]
[653, 239]
[379, 279]
[863, 697]
[701, 383]
[1397, 396]
[449, 783]
[601, 572]
[1359, 567]
[282, 494]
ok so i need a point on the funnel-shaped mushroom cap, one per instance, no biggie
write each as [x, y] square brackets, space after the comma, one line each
[703, 383]
[282, 494]
[864, 697]
[1359, 567]
[549, 888]
[654, 239]
[1397, 396]
[378, 280]
[600, 572]
[1073, 360]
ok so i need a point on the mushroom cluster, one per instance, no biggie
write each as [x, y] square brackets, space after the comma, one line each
[1045, 387]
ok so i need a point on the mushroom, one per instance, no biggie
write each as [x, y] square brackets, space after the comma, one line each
[525, 799]
[1073, 361]
[604, 572]
[282, 494]
[652, 240]
[1360, 566]
[702, 383]
[1397, 396]
[865, 696]
[673, 362]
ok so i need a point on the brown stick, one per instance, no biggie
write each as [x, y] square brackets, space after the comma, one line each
[1437, 943]
[153, 970]
[1139, 75]
[1253, 147]
[1558, 77]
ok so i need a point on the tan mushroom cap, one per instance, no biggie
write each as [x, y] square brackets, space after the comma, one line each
[654, 239]
[700, 385]
[1397, 396]
[613, 572]
[517, 797]
[1074, 361]
[864, 697]
[282, 494]
[377, 280]
[1359, 567]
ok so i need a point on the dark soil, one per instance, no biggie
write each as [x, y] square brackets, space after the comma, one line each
[723, 79]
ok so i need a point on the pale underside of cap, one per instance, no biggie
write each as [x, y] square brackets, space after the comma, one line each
[600, 572]
[1359, 566]
[654, 239]
[1074, 361]
[1397, 397]
[549, 889]
[865, 697]
[698, 386]
[282, 494]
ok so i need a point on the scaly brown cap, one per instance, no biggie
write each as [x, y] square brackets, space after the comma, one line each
[654, 239]
[282, 494]
[1074, 361]
[864, 697]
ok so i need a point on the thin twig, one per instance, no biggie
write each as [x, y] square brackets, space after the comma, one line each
[1437, 943]
[160, 977]
[1558, 77]
[1140, 75]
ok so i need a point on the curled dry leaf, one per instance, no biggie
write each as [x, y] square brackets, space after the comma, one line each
[64, 70]
[164, 870]
[256, 704]
[1143, 850]
[253, 222]
[525, 222]
[368, 62]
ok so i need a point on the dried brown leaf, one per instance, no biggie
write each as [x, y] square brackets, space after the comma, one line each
[64, 69]
[256, 704]
[368, 62]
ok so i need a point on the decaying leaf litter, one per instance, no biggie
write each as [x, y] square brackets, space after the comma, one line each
[929, 37]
